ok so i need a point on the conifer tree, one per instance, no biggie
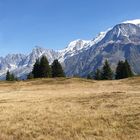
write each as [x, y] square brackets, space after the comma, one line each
[107, 73]
[45, 70]
[129, 72]
[120, 73]
[36, 69]
[97, 75]
[123, 70]
[8, 76]
[12, 77]
[57, 70]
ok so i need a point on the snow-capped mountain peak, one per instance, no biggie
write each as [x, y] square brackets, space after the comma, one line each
[76, 45]
[73, 48]
[136, 22]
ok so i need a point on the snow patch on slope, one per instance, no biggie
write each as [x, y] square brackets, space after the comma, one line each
[100, 36]
[136, 21]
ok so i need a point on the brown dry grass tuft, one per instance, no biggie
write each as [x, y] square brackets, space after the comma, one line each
[70, 109]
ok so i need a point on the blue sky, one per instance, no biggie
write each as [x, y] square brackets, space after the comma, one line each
[54, 23]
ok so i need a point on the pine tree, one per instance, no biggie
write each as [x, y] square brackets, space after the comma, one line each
[123, 70]
[12, 77]
[8, 76]
[57, 70]
[36, 69]
[107, 73]
[120, 73]
[129, 72]
[97, 75]
[45, 70]
[41, 69]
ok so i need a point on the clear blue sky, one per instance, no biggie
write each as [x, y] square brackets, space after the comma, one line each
[54, 23]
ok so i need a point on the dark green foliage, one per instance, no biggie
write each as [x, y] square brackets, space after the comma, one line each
[41, 69]
[106, 73]
[120, 70]
[123, 70]
[10, 77]
[45, 70]
[129, 72]
[57, 70]
[36, 69]
[97, 75]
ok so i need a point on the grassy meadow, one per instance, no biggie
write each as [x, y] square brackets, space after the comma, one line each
[70, 109]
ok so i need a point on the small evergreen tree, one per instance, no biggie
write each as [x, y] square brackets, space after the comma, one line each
[120, 73]
[36, 69]
[12, 77]
[129, 72]
[107, 73]
[97, 75]
[45, 70]
[8, 76]
[57, 70]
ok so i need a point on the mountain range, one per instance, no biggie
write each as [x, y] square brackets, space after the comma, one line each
[81, 57]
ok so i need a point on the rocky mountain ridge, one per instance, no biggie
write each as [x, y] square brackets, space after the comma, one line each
[81, 57]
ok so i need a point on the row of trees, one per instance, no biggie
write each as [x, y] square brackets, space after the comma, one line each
[42, 69]
[123, 70]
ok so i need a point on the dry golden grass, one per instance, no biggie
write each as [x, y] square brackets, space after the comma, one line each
[70, 109]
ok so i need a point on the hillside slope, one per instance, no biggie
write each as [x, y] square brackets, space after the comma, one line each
[70, 109]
